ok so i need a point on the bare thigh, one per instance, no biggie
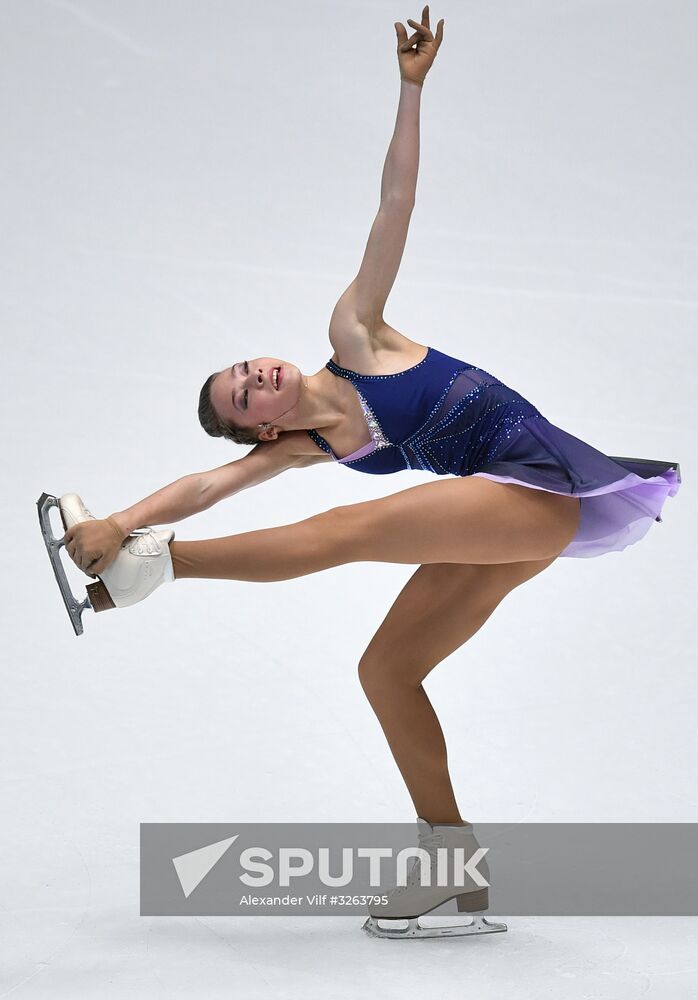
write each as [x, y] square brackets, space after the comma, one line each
[440, 607]
[462, 520]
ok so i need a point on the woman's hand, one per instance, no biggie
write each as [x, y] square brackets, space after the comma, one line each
[93, 545]
[416, 63]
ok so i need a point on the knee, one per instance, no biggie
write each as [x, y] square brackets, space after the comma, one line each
[339, 521]
[326, 530]
[341, 525]
[380, 678]
[372, 677]
[368, 674]
[345, 517]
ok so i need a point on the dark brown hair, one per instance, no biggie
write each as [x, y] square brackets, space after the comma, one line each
[213, 425]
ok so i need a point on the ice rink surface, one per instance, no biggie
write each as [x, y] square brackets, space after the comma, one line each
[186, 185]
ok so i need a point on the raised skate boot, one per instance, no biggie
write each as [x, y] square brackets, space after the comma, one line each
[463, 875]
[142, 564]
[73, 510]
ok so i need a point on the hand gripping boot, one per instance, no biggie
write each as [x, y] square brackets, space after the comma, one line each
[142, 564]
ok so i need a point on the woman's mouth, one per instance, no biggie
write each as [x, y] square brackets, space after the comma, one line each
[276, 377]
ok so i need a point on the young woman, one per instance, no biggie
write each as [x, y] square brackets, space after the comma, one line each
[522, 491]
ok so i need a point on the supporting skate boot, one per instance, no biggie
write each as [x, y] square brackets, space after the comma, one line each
[142, 564]
[463, 876]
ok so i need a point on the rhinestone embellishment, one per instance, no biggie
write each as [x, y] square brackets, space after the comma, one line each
[377, 432]
[347, 372]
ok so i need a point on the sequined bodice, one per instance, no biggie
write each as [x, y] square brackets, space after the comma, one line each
[442, 415]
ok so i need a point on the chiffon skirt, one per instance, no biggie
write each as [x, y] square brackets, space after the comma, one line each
[620, 497]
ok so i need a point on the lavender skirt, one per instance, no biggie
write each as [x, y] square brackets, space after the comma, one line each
[620, 497]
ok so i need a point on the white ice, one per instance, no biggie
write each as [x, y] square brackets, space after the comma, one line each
[189, 184]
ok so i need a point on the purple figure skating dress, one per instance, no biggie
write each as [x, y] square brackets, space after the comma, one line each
[448, 417]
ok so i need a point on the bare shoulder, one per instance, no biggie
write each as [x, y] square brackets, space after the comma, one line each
[382, 350]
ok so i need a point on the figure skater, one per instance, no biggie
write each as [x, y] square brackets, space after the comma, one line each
[522, 491]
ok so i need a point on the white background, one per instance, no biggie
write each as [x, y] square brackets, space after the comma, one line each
[185, 185]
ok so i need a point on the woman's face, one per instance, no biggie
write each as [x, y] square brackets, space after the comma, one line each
[244, 395]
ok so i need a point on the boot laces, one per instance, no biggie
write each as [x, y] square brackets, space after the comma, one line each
[144, 542]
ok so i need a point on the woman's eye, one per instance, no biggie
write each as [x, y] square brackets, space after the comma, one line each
[247, 371]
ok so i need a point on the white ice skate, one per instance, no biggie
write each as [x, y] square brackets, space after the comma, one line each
[142, 564]
[407, 903]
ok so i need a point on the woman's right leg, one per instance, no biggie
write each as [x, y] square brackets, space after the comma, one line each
[441, 607]
[466, 520]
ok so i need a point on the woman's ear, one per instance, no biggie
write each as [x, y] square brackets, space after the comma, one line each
[269, 432]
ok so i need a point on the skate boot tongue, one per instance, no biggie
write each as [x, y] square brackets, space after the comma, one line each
[429, 838]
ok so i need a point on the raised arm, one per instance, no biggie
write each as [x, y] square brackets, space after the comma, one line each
[364, 300]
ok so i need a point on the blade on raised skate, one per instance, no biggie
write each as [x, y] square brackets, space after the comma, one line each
[74, 607]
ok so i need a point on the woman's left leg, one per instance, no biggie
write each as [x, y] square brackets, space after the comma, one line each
[438, 610]
[460, 520]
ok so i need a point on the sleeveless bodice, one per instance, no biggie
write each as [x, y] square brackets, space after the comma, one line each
[443, 415]
[446, 416]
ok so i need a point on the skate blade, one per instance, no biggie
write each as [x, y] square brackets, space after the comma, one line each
[401, 929]
[74, 607]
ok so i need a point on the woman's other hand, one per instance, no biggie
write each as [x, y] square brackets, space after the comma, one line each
[93, 545]
[416, 63]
